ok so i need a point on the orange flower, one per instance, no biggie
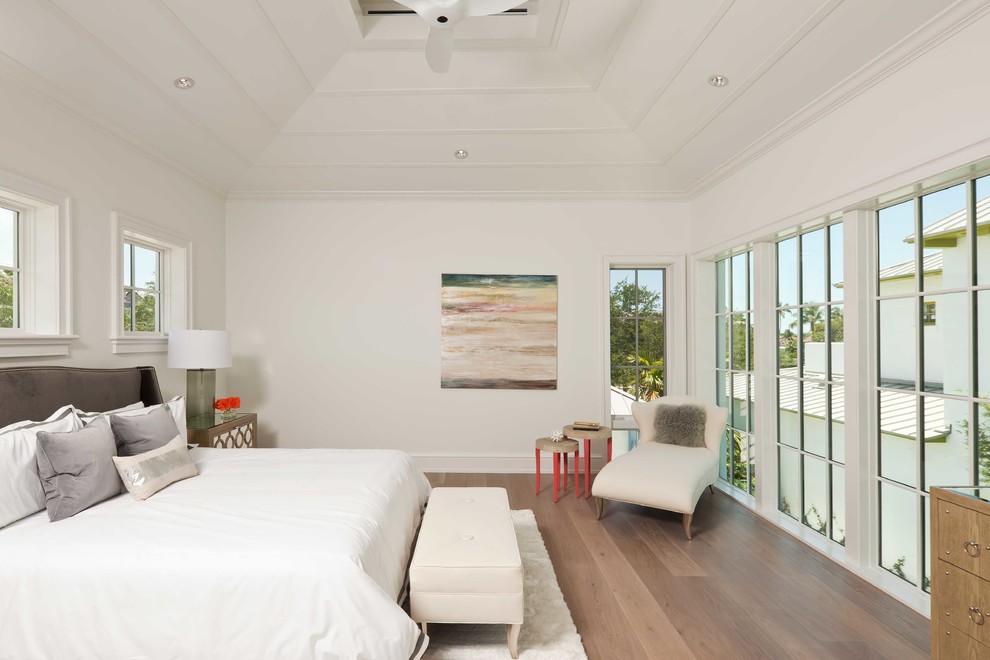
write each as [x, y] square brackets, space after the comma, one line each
[235, 402]
[228, 403]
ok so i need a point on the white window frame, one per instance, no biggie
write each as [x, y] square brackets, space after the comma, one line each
[174, 279]
[675, 326]
[44, 305]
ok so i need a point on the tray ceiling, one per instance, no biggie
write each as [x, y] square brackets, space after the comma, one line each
[574, 95]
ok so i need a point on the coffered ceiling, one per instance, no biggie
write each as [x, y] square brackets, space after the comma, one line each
[571, 96]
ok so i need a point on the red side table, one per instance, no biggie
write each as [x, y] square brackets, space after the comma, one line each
[563, 447]
[603, 433]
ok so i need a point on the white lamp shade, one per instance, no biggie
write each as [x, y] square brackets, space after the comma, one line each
[199, 349]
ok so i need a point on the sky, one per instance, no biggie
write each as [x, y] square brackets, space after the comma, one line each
[650, 279]
[7, 236]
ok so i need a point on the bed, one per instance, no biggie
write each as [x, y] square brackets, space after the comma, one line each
[268, 553]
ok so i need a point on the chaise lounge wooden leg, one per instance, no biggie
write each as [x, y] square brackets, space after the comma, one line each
[687, 524]
[514, 639]
[711, 488]
[423, 626]
[599, 507]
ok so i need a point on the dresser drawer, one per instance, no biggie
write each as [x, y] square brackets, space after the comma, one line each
[953, 644]
[963, 601]
[959, 538]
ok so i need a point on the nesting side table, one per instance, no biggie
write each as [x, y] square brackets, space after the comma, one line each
[603, 433]
[563, 447]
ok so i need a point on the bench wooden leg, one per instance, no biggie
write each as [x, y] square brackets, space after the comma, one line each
[514, 639]
[423, 626]
[599, 507]
[687, 524]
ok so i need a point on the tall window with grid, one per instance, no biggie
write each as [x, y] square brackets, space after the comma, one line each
[933, 373]
[636, 336]
[810, 381]
[734, 368]
[142, 288]
[10, 271]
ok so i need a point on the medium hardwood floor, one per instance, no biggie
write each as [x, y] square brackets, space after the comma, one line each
[637, 588]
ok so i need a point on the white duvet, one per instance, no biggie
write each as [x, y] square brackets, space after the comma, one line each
[269, 553]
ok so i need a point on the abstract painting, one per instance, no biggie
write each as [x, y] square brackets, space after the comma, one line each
[498, 332]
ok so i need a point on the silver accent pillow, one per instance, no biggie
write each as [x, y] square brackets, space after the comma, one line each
[146, 474]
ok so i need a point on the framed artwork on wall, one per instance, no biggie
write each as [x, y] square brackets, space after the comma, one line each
[498, 332]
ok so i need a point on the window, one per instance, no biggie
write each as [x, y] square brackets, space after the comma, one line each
[9, 270]
[810, 381]
[151, 276]
[636, 336]
[35, 319]
[142, 288]
[933, 379]
[734, 368]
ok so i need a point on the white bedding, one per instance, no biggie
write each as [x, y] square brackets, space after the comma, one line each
[269, 553]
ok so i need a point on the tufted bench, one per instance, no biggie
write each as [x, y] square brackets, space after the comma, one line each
[466, 567]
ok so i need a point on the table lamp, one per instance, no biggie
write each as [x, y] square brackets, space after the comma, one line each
[200, 353]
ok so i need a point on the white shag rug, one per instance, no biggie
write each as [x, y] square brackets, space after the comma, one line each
[548, 632]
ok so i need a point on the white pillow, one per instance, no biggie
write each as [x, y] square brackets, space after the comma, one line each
[21, 492]
[87, 417]
[146, 474]
[175, 406]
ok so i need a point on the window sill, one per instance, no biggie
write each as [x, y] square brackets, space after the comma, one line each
[21, 345]
[136, 344]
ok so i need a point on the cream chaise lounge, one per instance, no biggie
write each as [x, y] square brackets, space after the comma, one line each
[663, 476]
[466, 567]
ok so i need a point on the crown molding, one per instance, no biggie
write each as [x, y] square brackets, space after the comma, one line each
[453, 91]
[469, 196]
[45, 92]
[951, 21]
[578, 130]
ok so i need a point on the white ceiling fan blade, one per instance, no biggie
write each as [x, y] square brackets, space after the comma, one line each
[489, 7]
[439, 48]
[418, 6]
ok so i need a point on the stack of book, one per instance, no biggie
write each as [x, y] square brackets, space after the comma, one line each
[586, 426]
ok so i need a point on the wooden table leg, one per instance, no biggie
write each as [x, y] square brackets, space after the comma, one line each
[537, 471]
[587, 469]
[556, 475]
[565, 471]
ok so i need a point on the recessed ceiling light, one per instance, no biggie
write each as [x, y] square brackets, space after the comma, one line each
[718, 81]
[184, 83]
[460, 154]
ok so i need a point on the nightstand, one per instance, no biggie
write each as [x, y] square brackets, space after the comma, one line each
[240, 432]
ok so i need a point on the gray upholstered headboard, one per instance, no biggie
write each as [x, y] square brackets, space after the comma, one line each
[37, 392]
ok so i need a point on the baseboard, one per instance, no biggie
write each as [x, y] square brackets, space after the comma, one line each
[493, 463]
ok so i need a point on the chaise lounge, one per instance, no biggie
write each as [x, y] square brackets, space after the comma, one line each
[661, 474]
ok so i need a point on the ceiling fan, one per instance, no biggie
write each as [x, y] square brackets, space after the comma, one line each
[443, 15]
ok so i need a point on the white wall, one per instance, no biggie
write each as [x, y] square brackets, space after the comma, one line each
[334, 308]
[924, 119]
[42, 142]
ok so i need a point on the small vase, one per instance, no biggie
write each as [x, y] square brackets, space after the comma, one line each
[229, 414]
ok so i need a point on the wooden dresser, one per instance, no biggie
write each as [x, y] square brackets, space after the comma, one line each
[960, 551]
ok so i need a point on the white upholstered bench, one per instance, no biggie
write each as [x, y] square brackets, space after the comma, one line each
[466, 567]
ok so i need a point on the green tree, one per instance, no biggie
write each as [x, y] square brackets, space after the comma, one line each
[6, 299]
[145, 319]
[636, 314]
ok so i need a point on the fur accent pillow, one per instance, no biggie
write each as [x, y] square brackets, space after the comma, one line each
[680, 425]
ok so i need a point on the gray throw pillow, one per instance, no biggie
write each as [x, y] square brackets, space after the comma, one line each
[681, 425]
[137, 434]
[77, 469]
